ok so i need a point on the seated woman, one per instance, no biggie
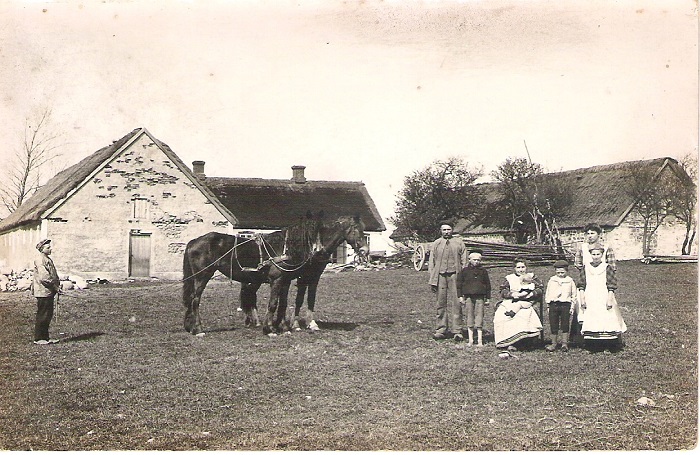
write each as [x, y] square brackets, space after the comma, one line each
[515, 319]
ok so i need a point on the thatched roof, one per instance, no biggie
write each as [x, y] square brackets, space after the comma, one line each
[247, 203]
[63, 184]
[600, 194]
[60, 185]
[272, 204]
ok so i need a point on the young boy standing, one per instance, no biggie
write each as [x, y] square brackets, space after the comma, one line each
[560, 295]
[474, 289]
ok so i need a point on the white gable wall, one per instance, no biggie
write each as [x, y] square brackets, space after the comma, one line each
[140, 191]
[666, 241]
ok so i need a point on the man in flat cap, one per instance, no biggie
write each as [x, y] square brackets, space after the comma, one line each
[45, 286]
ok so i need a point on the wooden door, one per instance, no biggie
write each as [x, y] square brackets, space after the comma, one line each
[140, 255]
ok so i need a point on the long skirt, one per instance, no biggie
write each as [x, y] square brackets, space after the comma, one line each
[508, 330]
[599, 323]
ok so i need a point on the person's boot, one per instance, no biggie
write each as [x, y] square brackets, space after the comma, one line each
[564, 342]
[479, 337]
[555, 340]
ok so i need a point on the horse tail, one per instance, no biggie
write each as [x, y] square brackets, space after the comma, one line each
[187, 279]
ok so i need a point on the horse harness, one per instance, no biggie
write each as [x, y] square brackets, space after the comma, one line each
[273, 258]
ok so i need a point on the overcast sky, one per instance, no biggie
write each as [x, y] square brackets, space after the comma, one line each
[362, 91]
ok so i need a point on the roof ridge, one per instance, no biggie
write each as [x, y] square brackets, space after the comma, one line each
[58, 186]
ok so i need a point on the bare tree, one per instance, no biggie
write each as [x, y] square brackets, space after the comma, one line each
[653, 194]
[685, 200]
[531, 199]
[24, 170]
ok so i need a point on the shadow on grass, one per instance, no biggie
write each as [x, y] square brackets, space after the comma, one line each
[342, 326]
[220, 329]
[82, 337]
[208, 330]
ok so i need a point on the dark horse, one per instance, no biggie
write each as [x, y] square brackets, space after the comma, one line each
[308, 281]
[276, 258]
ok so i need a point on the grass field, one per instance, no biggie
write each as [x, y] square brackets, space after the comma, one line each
[127, 376]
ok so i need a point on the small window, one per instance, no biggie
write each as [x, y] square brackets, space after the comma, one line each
[140, 209]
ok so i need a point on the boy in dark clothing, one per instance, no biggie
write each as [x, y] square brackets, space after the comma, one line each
[474, 290]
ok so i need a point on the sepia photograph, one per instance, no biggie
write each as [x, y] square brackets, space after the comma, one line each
[349, 225]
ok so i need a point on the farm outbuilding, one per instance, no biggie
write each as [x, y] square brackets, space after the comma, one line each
[600, 194]
[129, 209]
[267, 204]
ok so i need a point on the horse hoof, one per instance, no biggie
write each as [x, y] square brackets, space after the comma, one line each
[200, 334]
[272, 334]
[287, 332]
[314, 327]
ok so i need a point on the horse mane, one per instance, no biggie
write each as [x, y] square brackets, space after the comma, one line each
[301, 241]
[296, 241]
[332, 231]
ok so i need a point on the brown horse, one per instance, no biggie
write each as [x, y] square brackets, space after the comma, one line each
[276, 258]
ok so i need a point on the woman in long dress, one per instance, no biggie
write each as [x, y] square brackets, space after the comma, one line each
[592, 236]
[515, 319]
[602, 319]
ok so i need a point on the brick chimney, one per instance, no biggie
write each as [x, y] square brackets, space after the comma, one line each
[198, 169]
[298, 174]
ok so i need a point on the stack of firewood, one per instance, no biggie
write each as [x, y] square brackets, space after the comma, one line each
[503, 254]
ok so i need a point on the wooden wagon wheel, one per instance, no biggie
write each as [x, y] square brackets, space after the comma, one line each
[419, 258]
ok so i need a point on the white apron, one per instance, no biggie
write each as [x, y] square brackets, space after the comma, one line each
[586, 254]
[600, 323]
[525, 324]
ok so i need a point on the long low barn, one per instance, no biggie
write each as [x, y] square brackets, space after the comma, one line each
[600, 194]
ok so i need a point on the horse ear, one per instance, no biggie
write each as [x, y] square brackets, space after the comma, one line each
[309, 215]
[321, 214]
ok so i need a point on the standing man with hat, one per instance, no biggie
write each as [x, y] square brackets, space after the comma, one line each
[447, 257]
[45, 286]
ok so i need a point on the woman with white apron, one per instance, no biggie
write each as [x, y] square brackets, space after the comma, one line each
[514, 318]
[592, 233]
[602, 319]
